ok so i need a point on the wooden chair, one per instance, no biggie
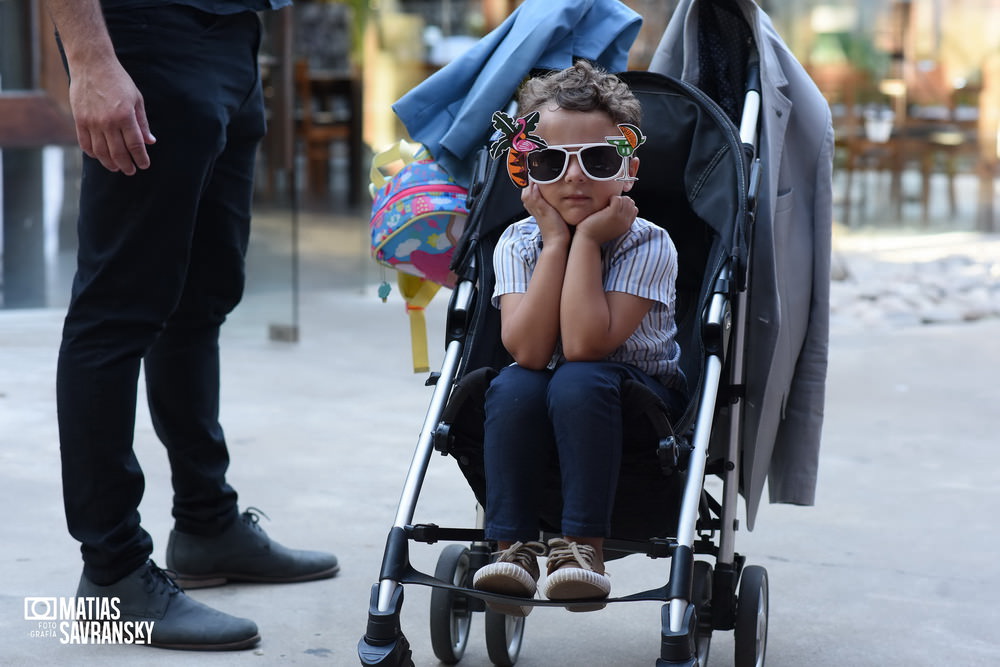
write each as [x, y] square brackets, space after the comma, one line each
[842, 85]
[328, 94]
[329, 110]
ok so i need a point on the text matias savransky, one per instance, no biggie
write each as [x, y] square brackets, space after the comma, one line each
[85, 620]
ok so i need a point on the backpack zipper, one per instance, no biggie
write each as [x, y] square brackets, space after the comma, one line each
[443, 188]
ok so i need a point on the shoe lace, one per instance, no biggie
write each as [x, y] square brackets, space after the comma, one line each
[160, 581]
[252, 516]
[521, 553]
[563, 552]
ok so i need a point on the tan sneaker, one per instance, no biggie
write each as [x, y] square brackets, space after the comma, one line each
[571, 575]
[514, 572]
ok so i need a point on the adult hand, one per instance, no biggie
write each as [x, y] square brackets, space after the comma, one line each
[610, 222]
[110, 116]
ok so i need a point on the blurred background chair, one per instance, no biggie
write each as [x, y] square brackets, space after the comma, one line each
[328, 92]
[329, 110]
[313, 97]
[859, 149]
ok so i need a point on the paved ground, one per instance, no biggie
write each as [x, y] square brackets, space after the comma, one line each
[896, 565]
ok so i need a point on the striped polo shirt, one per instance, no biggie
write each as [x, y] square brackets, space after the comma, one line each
[642, 262]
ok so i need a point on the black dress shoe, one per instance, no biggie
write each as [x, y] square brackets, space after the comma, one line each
[243, 552]
[160, 614]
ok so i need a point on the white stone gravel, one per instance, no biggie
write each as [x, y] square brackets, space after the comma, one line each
[885, 280]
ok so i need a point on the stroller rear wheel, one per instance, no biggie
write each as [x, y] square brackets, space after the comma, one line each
[503, 637]
[450, 615]
[750, 633]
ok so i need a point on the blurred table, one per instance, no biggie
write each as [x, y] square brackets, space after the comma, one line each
[928, 145]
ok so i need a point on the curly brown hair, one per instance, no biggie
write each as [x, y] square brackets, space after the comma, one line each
[582, 87]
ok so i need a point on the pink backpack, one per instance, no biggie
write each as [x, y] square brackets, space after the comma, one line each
[418, 215]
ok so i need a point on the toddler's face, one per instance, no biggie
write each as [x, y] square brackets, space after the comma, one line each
[575, 195]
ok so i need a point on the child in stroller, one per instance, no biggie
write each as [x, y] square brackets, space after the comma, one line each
[703, 188]
[585, 289]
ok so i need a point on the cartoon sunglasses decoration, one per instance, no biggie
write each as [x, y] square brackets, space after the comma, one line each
[528, 156]
[600, 162]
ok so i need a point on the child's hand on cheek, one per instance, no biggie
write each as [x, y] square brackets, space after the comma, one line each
[551, 224]
[610, 222]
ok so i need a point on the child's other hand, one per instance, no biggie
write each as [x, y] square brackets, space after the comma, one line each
[610, 222]
[551, 224]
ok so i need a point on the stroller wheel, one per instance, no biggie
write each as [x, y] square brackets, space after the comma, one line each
[503, 637]
[450, 614]
[751, 618]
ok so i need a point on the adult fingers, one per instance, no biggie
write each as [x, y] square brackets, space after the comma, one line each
[137, 146]
[117, 141]
[132, 149]
[95, 144]
[118, 148]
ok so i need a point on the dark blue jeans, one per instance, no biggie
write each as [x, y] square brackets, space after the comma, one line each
[160, 265]
[575, 413]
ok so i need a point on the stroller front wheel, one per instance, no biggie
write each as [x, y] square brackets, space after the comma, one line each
[503, 637]
[451, 616]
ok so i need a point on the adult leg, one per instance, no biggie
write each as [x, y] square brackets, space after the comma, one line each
[211, 543]
[134, 240]
[182, 366]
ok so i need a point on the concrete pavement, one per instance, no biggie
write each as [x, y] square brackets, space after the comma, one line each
[896, 565]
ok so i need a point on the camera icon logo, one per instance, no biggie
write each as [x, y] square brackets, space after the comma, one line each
[40, 609]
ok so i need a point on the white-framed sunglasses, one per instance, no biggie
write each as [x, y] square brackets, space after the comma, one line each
[599, 162]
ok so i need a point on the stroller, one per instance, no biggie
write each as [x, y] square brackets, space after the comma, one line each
[702, 178]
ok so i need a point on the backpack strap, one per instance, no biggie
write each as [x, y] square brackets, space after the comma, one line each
[401, 151]
[417, 292]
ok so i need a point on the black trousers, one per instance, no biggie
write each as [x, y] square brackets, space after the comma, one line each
[159, 267]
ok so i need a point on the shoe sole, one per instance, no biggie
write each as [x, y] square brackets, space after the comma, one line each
[570, 584]
[581, 608]
[193, 581]
[241, 645]
[506, 579]
[517, 611]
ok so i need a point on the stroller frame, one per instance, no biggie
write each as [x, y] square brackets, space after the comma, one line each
[697, 599]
